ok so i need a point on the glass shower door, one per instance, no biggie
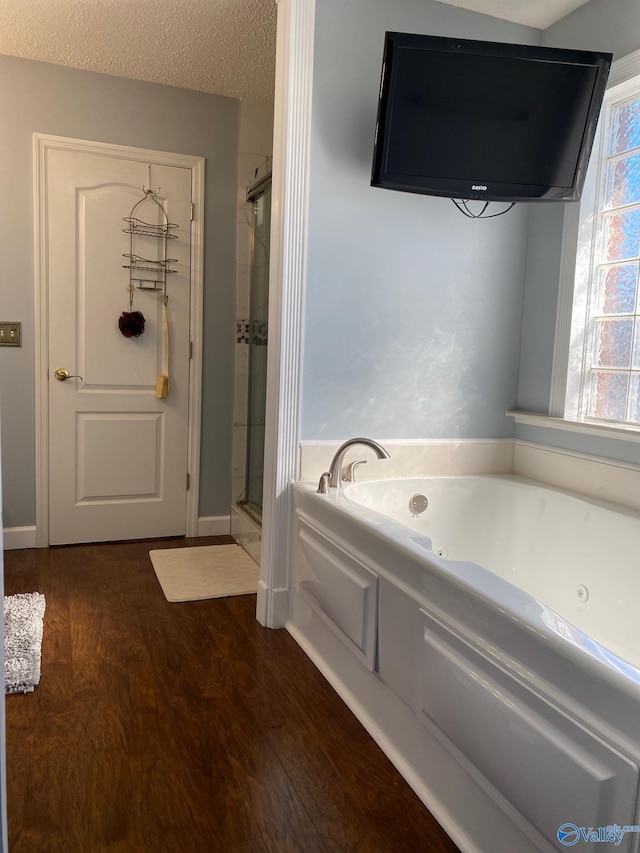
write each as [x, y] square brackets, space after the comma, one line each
[258, 337]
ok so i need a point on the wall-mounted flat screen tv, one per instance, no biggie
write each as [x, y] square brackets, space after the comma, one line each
[485, 120]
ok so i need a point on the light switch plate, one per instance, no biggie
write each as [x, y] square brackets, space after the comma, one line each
[10, 334]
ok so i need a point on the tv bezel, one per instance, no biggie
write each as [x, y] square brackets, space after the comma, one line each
[462, 188]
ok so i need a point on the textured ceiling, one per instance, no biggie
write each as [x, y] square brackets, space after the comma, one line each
[222, 46]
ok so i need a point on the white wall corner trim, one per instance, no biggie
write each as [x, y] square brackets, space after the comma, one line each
[214, 525]
[287, 274]
[16, 538]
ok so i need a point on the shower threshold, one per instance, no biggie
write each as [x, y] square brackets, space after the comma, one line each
[254, 512]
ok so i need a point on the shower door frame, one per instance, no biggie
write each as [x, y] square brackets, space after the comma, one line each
[254, 192]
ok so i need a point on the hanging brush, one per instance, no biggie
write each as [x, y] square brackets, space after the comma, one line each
[162, 381]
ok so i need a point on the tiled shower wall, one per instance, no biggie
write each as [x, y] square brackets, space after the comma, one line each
[255, 150]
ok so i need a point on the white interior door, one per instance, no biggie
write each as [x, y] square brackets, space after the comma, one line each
[117, 454]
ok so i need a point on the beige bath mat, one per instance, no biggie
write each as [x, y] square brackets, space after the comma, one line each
[211, 571]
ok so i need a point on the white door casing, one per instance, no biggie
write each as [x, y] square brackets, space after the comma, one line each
[117, 456]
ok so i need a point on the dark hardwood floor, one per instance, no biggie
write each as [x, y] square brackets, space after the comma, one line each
[185, 728]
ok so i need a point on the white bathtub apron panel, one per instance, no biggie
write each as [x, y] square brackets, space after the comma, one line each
[341, 590]
[524, 741]
[523, 708]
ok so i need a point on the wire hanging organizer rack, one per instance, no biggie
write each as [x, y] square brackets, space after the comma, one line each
[159, 268]
[140, 266]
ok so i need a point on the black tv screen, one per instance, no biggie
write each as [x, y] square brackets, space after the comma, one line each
[485, 120]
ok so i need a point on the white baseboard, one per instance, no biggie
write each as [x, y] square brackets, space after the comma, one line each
[15, 538]
[272, 608]
[214, 525]
[25, 537]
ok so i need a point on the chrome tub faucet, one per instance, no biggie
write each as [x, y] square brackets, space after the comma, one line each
[333, 477]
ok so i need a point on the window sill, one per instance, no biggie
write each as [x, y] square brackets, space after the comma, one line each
[621, 433]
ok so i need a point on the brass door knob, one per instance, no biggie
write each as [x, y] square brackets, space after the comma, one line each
[62, 374]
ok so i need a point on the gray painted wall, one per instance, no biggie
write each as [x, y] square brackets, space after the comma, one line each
[612, 25]
[38, 97]
[413, 313]
[595, 26]
[540, 306]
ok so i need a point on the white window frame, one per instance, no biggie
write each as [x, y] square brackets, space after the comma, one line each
[588, 260]
[577, 246]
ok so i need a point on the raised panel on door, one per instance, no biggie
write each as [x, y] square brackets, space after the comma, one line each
[109, 361]
[140, 468]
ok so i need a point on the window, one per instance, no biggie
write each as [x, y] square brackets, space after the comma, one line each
[604, 362]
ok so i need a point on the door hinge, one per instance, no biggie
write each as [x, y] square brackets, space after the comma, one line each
[192, 211]
[190, 349]
[188, 481]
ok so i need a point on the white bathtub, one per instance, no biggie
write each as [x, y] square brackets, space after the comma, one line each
[579, 559]
[503, 671]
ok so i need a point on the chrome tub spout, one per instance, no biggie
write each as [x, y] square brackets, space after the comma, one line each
[335, 470]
